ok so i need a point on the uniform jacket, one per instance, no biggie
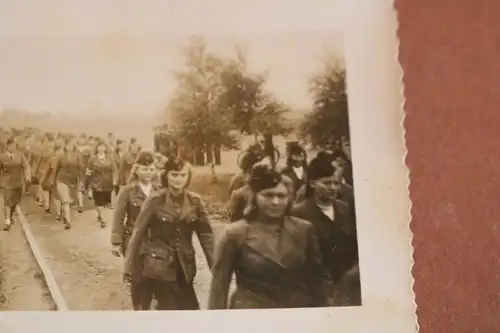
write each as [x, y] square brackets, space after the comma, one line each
[163, 224]
[125, 167]
[68, 168]
[14, 171]
[275, 266]
[86, 153]
[346, 194]
[103, 173]
[237, 182]
[238, 201]
[43, 160]
[128, 205]
[337, 239]
[297, 182]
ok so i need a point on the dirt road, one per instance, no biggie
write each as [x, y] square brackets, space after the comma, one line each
[21, 282]
[80, 259]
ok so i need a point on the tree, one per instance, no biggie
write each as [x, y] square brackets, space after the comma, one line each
[198, 119]
[329, 119]
[252, 109]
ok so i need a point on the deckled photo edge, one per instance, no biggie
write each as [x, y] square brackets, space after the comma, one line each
[272, 315]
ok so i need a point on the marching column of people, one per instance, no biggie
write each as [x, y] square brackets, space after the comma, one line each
[286, 248]
[291, 240]
[61, 168]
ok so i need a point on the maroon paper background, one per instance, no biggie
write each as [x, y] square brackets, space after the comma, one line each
[450, 52]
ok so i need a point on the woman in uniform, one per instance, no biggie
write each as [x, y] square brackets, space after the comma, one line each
[14, 173]
[84, 153]
[296, 165]
[68, 170]
[49, 178]
[103, 178]
[160, 253]
[128, 204]
[250, 157]
[128, 161]
[275, 256]
[41, 167]
[118, 153]
[331, 218]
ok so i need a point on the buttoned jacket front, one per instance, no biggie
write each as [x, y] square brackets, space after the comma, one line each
[128, 205]
[171, 227]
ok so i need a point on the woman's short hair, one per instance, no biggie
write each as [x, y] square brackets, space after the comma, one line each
[263, 177]
[321, 166]
[293, 149]
[175, 165]
[99, 144]
[11, 140]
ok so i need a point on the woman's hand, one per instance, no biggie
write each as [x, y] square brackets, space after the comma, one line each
[116, 250]
[127, 278]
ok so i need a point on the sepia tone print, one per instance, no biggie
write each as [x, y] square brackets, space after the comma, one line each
[230, 186]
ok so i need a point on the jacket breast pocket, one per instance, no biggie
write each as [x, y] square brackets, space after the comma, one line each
[159, 263]
[134, 208]
[191, 218]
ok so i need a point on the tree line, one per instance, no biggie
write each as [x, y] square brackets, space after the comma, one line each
[218, 99]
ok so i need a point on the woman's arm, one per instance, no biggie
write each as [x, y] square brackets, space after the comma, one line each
[26, 168]
[318, 279]
[53, 167]
[204, 231]
[119, 214]
[140, 231]
[222, 270]
[236, 206]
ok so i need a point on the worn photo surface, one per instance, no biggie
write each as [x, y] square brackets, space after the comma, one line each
[178, 156]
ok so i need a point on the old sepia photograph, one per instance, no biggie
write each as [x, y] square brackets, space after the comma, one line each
[153, 159]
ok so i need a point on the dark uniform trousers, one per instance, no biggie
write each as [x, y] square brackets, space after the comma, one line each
[160, 252]
[128, 205]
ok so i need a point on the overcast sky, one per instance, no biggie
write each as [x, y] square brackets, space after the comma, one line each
[117, 55]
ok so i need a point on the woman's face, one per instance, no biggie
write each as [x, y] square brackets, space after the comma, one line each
[134, 147]
[12, 147]
[101, 149]
[346, 147]
[145, 173]
[71, 145]
[328, 187]
[178, 179]
[298, 160]
[274, 201]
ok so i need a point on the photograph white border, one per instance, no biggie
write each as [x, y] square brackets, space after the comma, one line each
[382, 207]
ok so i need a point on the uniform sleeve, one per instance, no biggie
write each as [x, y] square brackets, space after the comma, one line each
[222, 271]
[132, 172]
[204, 231]
[118, 225]
[52, 169]
[301, 194]
[318, 279]
[80, 168]
[138, 235]
[26, 168]
[236, 206]
[114, 167]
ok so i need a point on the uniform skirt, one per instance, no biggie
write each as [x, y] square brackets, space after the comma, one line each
[11, 197]
[66, 193]
[101, 198]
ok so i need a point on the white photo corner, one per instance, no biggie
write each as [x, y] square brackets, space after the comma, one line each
[244, 158]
